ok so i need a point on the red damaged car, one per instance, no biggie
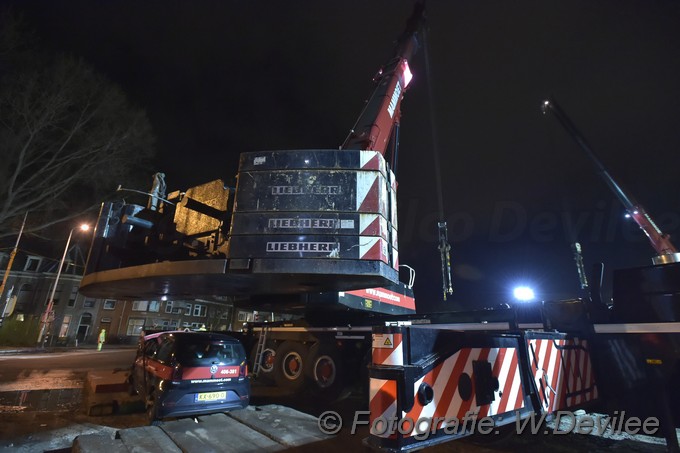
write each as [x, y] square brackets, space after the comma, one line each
[182, 374]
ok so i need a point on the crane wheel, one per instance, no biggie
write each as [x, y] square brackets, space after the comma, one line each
[267, 361]
[324, 371]
[289, 365]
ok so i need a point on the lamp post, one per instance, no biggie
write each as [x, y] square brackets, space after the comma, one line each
[50, 303]
[8, 270]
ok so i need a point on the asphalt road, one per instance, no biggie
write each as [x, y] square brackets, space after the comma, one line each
[74, 360]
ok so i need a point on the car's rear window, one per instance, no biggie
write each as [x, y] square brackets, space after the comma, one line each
[205, 352]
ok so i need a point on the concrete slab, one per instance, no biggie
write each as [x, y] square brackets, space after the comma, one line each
[98, 442]
[108, 392]
[285, 425]
[147, 439]
[217, 433]
[49, 440]
[106, 381]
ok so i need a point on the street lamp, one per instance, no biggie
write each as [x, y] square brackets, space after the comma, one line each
[50, 304]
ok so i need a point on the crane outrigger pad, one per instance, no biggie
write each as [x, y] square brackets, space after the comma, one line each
[223, 277]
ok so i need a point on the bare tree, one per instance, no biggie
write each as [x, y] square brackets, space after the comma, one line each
[68, 137]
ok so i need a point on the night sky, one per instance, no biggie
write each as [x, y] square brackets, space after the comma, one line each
[218, 78]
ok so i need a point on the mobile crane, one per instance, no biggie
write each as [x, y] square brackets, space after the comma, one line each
[309, 232]
[315, 231]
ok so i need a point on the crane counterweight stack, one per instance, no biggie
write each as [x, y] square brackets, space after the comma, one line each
[298, 221]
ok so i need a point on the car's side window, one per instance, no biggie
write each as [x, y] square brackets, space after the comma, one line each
[151, 348]
[165, 351]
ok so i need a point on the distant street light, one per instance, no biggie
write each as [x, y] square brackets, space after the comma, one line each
[50, 304]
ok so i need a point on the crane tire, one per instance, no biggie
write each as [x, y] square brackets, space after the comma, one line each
[289, 365]
[324, 371]
[268, 359]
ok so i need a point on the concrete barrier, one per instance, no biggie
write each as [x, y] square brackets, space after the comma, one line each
[108, 393]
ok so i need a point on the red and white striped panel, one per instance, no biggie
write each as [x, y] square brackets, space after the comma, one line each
[382, 403]
[393, 200]
[580, 375]
[395, 259]
[388, 349]
[371, 193]
[562, 375]
[395, 249]
[443, 379]
[373, 225]
[373, 248]
[372, 160]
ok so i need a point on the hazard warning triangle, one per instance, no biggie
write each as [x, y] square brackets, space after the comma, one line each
[387, 342]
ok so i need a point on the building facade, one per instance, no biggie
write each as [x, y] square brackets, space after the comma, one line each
[76, 319]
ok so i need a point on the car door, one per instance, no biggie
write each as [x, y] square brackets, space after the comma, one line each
[138, 378]
[144, 366]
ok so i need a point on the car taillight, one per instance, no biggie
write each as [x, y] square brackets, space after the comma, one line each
[243, 370]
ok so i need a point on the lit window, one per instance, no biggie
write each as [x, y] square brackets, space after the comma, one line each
[63, 331]
[140, 305]
[135, 326]
[154, 305]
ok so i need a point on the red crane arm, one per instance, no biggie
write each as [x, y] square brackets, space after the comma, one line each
[660, 242]
[373, 129]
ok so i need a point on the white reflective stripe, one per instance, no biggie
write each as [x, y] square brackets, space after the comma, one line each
[465, 326]
[397, 356]
[457, 401]
[503, 376]
[552, 370]
[514, 390]
[375, 385]
[648, 327]
[443, 379]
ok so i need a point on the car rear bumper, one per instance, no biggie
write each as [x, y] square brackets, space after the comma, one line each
[180, 400]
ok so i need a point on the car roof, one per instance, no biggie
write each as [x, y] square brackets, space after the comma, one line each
[190, 334]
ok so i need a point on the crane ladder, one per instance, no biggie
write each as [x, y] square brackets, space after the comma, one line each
[261, 341]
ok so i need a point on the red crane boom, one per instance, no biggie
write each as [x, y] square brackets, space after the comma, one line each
[660, 241]
[380, 116]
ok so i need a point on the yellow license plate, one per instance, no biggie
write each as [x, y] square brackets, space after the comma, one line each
[212, 396]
